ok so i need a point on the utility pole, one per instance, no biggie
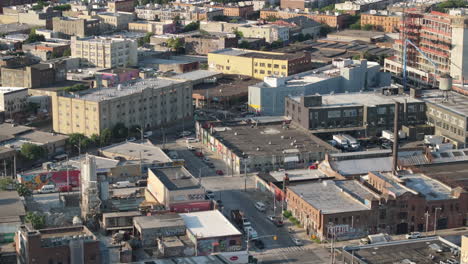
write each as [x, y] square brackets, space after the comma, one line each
[427, 222]
[245, 175]
[395, 138]
[68, 174]
[283, 196]
[435, 219]
[4, 168]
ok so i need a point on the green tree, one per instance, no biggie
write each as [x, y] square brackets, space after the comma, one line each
[67, 52]
[106, 137]
[23, 190]
[175, 44]
[191, 26]
[244, 44]
[119, 131]
[220, 18]
[147, 37]
[36, 220]
[238, 33]
[7, 184]
[75, 88]
[64, 7]
[355, 26]
[328, 8]
[368, 27]
[324, 30]
[33, 37]
[276, 44]
[271, 18]
[32, 152]
[95, 139]
[177, 21]
[444, 6]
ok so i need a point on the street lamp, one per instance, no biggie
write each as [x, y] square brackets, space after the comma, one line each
[435, 219]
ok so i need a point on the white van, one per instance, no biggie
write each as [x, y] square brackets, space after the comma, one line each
[122, 184]
[260, 206]
[191, 140]
[47, 189]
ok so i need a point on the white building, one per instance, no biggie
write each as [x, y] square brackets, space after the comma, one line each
[105, 52]
[341, 76]
[13, 99]
[270, 33]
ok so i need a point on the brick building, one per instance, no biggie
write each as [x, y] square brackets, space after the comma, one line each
[333, 20]
[199, 44]
[68, 26]
[236, 10]
[31, 76]
[346, 209]
[414, 202]
[383, 21]
[121, 6]
[46, 50]
[56, 245]
[4, 3]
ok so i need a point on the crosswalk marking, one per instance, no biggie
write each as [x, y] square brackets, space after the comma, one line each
[286, 249]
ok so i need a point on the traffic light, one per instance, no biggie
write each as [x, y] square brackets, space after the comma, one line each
[275, 238]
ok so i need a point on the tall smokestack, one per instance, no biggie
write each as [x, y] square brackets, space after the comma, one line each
[395, 138]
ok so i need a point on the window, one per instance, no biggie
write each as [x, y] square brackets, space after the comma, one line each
[334, 114]
[276, 66]
[262, 64]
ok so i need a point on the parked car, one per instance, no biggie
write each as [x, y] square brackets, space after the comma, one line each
[210, 194]
[210, 165]
[131, 139]
[259, 244]
[260, 206]
[185, 133]
[413, 235]
[121, 184]
[191, 148]
[142, 183]
[272, 218]
[278, 223]
[220, 172]
[205, 159]
[199, 154]
[47, 189]
[191, 140]
[297, 241]
[65, 188]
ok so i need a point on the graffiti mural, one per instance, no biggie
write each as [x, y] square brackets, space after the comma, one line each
[35, 181]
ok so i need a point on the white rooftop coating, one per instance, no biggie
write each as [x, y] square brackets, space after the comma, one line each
[208, 224]
[147, 152]
[132, 87]
[364, 98]
[4, 90]
[417, 183]
[298, 175]
[105, 40]
[456, 102]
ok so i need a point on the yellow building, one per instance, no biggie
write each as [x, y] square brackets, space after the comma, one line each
[258, 64]
[381, 21]
[146, 103]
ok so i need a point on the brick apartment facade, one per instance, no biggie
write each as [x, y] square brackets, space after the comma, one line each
[52, 246]
[387, 23]
[205, 44]
[121, 6]
[335, 21]
[236, 11]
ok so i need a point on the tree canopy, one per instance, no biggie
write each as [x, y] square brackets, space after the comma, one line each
[32, 152]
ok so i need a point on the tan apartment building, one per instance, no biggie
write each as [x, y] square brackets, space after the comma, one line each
[112, 21]
[258, 64]
[148, 103]
[121, 6]
[13, 99]
[30, 76]
[381, 20]
[270, 33]
[105, 52]
[333, 20]
[68, 26]
[158, 28]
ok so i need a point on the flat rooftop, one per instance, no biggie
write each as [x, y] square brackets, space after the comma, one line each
[226, 86]
[403, 251]
[357, 33]
[11, 205]
[196, 75]
[335, 196]
[176, 178]
[298, 175]
[456, 102]
[207, 224]
[365, 98]
[69, 231]
[7, 129]
[159, 221]
[419, 183]
[102, 164]
[453, 174]
[135, 151]
[131, 87]
[254, 54]
[6, 90]
[268, 139]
